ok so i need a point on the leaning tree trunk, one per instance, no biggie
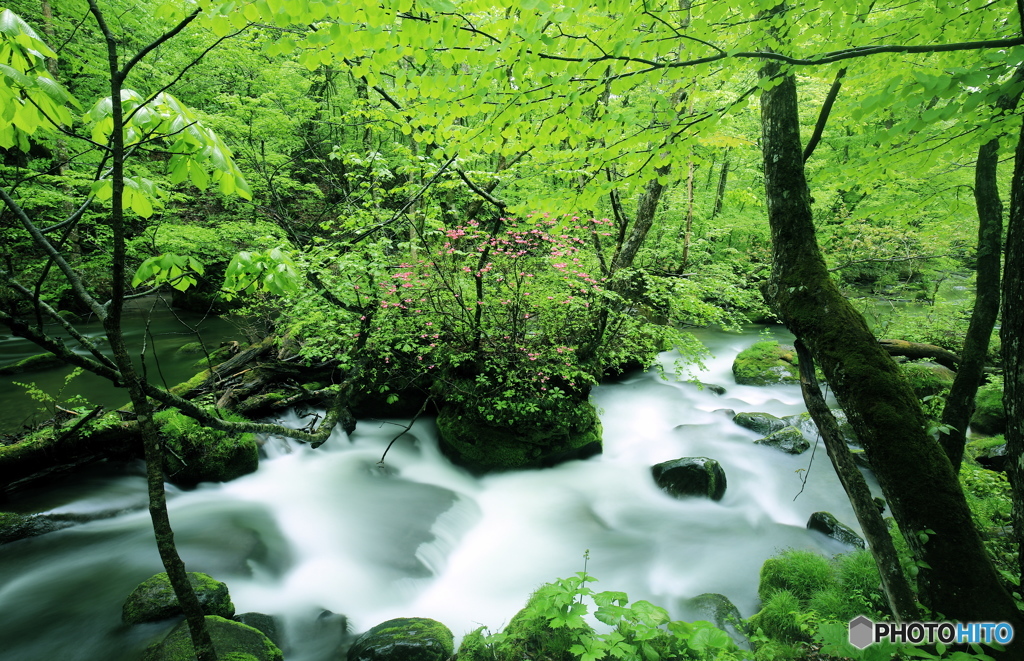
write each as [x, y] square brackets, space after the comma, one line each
[956, 577]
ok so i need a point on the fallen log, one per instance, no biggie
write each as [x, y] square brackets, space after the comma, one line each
[920, 350]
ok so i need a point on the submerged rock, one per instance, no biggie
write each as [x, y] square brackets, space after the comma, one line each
[19, 526]
[404, 639]
[825, 523]
[766, 363]
[789, 439]
[691, 476]
[154, 600]
[232, 640]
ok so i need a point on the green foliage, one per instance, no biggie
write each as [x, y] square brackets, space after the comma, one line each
[798, 571]
[554, 626]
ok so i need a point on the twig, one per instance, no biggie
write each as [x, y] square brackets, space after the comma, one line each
[407, 428]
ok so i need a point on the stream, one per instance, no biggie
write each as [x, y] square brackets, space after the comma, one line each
[315, 533]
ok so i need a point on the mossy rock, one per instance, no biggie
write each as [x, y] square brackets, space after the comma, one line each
[481, 447]
[928, 379]
[766, 363]
[404, 639]
[189, 349]
[529, 635]
[200, 454]
[233, 641]
[989, 412]
[829, 525]
[691, 476]
[762, 423]
[38, 362]
[154, 600]
[789, 439]
[722, 611]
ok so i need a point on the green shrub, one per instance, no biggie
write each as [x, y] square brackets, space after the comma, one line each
[800, 572]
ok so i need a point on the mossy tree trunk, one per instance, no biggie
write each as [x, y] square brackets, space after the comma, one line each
[956, 415]
[956, 578]
[1012, 337]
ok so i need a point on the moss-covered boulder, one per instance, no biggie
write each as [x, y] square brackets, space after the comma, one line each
[38, 362]
[766, 363]
[529, 635]
[233, 641]
[788, 439]
[809, 429]
[928, 379]
[471, 442]
[826, 523]
[404, 639]
[153, 600]
[691, 476]
[762, 423]
[989, 413]
[720, 610]
[200, 454]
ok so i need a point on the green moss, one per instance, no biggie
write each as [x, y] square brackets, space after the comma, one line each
[482, 447]
[200, 454]
[154, 599]
[42, 361]
[530, 636]
[404, 639]
[474, 647]
[190, 349]
[781, 618]
[229, 637]
[194, 382]
[989, 412]
[928, 379]
[766, 363]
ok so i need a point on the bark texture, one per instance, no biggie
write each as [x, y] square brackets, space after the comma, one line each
[917, 479]
[1013, 343]
[894, 583]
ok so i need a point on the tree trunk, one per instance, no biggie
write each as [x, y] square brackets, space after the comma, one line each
[1013, 343]
[956, 577]
[960, 403]
[646, 209]
[723, 178]
[894, 583]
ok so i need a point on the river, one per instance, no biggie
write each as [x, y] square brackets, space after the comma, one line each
[315, 532]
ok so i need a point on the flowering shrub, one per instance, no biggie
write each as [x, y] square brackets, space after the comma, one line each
[512, 321]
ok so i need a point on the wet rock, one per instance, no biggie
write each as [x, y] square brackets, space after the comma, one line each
[722, 611]
[231, 640]
[691, 476]
[404, 639]
[762, 423]
[713, 387]
[153, 600]
[36, 363]
[766, 363]
[825, 523]
[993, 458]
[263, 623]
[19, 526]
[789, 439]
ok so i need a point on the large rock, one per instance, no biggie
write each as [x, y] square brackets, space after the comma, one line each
[928, 379]
[200, 454]
[233, 641]
[789, 439]
[766, 363]
[154, 600]
[691, 476]
[404, 639]
[825, 523]
[762, 423]
[19, 526]
[481, 447]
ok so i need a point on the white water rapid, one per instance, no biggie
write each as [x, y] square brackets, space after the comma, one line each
[331, 530]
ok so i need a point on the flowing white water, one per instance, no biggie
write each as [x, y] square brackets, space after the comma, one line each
[332, 530]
